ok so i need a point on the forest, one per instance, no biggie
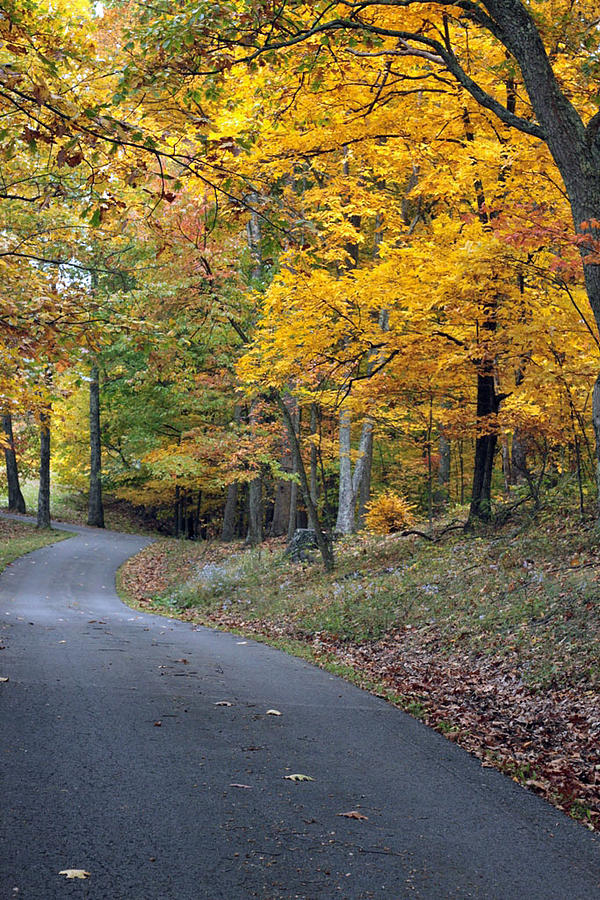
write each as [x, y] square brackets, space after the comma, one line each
[275, 270]
[311, 264]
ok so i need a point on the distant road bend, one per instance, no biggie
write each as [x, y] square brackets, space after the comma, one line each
[140, 749]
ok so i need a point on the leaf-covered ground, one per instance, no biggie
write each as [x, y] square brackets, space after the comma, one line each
[494, 640]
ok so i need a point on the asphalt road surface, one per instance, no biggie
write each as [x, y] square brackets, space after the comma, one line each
[119, 757]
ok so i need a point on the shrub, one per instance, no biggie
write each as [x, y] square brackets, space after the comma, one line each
[389, 512]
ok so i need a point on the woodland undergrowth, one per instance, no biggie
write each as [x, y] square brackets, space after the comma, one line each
[492, 638]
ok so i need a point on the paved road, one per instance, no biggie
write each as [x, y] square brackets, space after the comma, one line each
[156, 811]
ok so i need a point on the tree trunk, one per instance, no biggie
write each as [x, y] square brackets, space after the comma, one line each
[596, 423]
[230, 513]
[442, 495]
[346, 497]
[364, 492]
[349, 480]
[485, 447]
[43, 511]
[324, 545]
[16, 501]
[293, 511]
[314, 456]
[255, 533]
[255, 512]
[95, 506]
[518, 461]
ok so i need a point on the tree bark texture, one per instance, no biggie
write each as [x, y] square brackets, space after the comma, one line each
[43, 511]
[230, 513]
[293, 510]
[364, 491]
[323, 543]
[16, 501]
[349, 480]
[95, 505]
[485, 447]
[255, 512]
[442, 494]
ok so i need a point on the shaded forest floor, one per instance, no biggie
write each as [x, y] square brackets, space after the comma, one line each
[493, 639]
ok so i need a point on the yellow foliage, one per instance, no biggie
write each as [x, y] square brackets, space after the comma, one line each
[389, 512]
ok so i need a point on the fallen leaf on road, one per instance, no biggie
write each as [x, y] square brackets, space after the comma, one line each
[4, 678]
[298, 777]
[223, 703]
[353, 814]
[157, 724]
[62, 642]
[184, 660]
[75, 873]
[246, 786]
[273, 712]
[240, 643]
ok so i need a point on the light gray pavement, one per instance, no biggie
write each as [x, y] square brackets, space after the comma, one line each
[156, 812]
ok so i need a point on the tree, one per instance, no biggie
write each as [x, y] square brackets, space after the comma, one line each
[16, 502]
[95, 506]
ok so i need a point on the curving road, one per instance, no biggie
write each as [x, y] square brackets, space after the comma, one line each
[116, 758]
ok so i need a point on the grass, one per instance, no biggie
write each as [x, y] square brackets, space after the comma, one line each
[19, 538]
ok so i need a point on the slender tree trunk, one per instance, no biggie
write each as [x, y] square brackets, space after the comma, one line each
[364, 492]
[349, 480]
[255, 512]
[43, 511]
[255, 534]
[231, 503]
[16, 501]
[230, 513]
[293, 513]
[95, 507]
[324, 545]
[442, 494]
[596, 423]
[177, 512]
[485, 447]
[346, 498]
[196, 529]
[314, 455]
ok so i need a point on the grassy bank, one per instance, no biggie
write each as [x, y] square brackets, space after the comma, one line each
[492, 638]
[18, 538]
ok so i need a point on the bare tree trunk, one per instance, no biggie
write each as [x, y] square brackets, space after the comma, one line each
[485, 447]
[442, 495]
[293, 514]
[231, 503]
[230, 513]
[323, 543]
[16, 501]
[364, 493]
[255, 512]
[596, 423]
[314, 456]
[95, 506]
[346, 498]
[43, 511]
[255, 534]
